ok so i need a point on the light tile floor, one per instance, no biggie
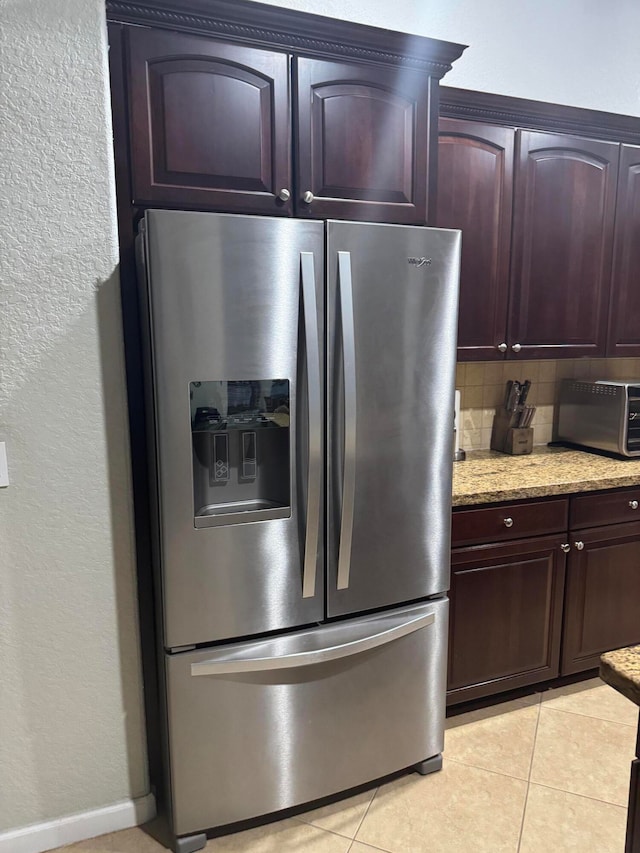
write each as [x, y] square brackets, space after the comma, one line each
[549, 772]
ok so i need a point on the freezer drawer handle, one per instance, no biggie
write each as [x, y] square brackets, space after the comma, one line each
[306, 658]
[349, 466]
[314, 470]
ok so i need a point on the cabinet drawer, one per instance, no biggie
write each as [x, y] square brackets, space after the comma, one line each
[605, 508]
[509, 521]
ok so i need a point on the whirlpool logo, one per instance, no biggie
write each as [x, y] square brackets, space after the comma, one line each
[420, 262]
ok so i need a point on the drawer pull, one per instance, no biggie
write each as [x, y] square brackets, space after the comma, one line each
[508, 522]
[633, 504]
[579, 545]
[293, 652]
[566, 547]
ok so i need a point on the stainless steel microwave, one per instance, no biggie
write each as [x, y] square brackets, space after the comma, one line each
[604, 415]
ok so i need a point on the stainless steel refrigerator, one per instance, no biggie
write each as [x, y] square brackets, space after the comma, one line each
[301, 379]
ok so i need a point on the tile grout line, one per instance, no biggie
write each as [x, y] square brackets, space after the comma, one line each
[372, 846]
[366, 844]
[591, 717]
[322, 828]
[583, 796]
[355, 834]
[486, 769]
[535, 738]
[562, 790]
[526, 799]
[524, 814]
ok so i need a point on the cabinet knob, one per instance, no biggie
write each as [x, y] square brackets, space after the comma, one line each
[307, 198]
[516, 347]
[566, 547]
[502, 347]
[508, 522]
[284, 194]
[579, 545]
[633, 504]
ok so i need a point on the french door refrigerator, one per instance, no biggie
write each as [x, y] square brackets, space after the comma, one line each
[301, 379]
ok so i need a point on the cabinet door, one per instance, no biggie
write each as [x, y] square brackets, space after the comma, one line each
[602, 610]
[475, 189]
[562, 245]
[505, 616]
[210, 123]
[363, 136]
[624, 314]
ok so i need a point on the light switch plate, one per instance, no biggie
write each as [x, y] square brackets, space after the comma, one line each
[4, 468]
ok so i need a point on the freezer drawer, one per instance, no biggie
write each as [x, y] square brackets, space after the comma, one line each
[259, 727]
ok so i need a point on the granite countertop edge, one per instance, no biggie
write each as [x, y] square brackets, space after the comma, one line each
[543, 491]
[489, 477]
[620, 669]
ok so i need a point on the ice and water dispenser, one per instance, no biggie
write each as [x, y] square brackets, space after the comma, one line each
[241, 452]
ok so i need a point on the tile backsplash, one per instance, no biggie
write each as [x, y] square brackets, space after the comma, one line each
[482, 388]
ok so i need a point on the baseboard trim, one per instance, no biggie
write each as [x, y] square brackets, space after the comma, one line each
[50, 834]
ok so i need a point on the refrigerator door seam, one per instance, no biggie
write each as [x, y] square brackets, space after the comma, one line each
[237, 663]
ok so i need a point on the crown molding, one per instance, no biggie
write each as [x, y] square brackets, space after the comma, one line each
[290, 30]
[537, 115]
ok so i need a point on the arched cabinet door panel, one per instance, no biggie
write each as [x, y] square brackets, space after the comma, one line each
[362, 141]
[564, 207]
[475, 192]
[624, 314]
[210, 123]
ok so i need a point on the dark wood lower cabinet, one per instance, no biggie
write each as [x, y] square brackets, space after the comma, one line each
[505, 616]
[602, 609]
[513, 619]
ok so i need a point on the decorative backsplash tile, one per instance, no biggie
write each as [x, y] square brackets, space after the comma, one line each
[482, 387]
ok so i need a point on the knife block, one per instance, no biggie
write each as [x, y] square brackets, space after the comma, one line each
[507, 438]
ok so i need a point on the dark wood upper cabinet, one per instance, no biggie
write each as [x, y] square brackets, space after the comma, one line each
[624, 313]
[214, 123]
[209, 123]
[564, 207]
[475, 193]
[362, 141]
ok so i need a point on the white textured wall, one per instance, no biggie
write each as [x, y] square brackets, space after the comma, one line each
[578, 52]
[71, 723]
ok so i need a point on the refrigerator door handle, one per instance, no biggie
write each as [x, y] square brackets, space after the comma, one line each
[345, 289]
[247, 661]
[314, 468]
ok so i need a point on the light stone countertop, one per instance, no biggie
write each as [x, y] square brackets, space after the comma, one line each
[490, 477]
[621, 670]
